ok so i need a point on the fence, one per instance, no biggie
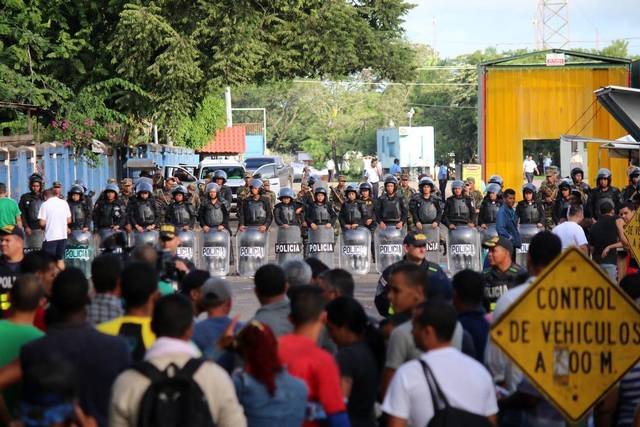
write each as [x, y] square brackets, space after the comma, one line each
[58, 163]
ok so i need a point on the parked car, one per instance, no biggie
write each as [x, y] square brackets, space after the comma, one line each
[298, 171]
[235, 172]
[283, 172]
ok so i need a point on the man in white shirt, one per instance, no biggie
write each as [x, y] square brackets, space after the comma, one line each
[529, 167]
[464, 382]
[570, 232]
[373, 174]
[54, 216]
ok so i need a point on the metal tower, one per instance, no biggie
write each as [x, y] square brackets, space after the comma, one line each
[552, 24]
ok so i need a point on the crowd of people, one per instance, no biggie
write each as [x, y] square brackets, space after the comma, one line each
[120, 346]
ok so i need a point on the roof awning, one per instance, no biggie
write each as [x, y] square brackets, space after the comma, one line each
[624, 105]
[140, 164]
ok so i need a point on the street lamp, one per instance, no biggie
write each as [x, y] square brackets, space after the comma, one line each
[410, 114]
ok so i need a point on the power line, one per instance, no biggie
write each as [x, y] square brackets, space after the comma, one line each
[343, 82]
[443, 106]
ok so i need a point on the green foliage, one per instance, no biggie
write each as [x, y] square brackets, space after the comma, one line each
[197, 132]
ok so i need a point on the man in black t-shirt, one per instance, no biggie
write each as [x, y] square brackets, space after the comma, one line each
[603, 235]
[12, 250]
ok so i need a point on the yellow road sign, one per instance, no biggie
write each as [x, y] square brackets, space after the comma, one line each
[573, 333]
[632, 233]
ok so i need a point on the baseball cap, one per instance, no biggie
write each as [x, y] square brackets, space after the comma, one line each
[471, 179]
[12, 230]
[57, 184]
[167, 231]
[215, 291]
[126, 181]
[248, 175]
[415, 239]
[498, 241]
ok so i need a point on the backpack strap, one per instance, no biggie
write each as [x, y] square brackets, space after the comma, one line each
[190, 368]
[149, 370]
[437, 395]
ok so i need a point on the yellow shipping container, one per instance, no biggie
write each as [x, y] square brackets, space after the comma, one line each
[522, 103]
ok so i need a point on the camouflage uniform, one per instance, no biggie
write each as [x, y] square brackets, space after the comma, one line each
[334, 201]
[547, 195]
[406, 194]
[162, 198]
[272, 197]
[243, 192]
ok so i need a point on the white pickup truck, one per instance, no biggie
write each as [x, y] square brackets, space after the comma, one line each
[271, 168]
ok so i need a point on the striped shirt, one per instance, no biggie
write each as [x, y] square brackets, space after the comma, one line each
[629, 396]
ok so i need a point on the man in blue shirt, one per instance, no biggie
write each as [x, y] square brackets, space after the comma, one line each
[443, 174]
[507, 221]
[395, 169]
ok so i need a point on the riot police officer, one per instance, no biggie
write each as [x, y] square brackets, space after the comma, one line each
[489, 206]
[80, 213]
[369, 204]
[214, 209]
[142, 214]
[425, 207]
[220, 178]
[108, 211]
[631, 190]
[288, 211]
[353, 212]
[458, 209]
[563, 201]
[255, 210]
[320, 213]
[529, 210]
[577, 176]
[603, 192]
[30, 204]
[181, 212]
[389, 207]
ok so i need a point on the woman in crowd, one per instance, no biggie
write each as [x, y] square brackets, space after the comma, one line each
[269, 395]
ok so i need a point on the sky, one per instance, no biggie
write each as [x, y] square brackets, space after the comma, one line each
[463, 26]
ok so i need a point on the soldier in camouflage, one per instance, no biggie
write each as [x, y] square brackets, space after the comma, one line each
[336, 194]
[245, 190]
[407, 193]
[266, 186]
[547, 196]
[474, 193]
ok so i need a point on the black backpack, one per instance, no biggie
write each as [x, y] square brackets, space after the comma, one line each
[173, 398]
[445, 415]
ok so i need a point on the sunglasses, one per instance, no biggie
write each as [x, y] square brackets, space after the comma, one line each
[405, 179]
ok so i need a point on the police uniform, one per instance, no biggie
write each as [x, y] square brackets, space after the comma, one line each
[108, 214]
[488, 211]
[286, 214]
[8, 271]
[142, 212]
[29, 205]
[458, 211]
[498, 282]
[181, 214]
[382, 291]
[214, 213]
[80, 214]
[254, 212]
[530, 212]
[353, 212]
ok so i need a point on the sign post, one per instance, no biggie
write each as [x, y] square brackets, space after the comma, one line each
[573, 333]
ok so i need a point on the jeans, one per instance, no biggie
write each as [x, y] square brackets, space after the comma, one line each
[611, 270]
[529, 177]
[374, 187]
[442, 183]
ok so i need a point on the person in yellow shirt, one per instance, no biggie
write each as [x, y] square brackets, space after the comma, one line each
[140, 292]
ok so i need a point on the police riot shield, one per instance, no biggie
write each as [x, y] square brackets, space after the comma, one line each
[34, 241]
[388, 246]
[147, 237]
[112, 241]
[320, 245]
[188, 247]
[464, 249]
[355, 251]
[288, 244]
[433, 243]
[527, 231]
[252, 247]
[80, 251]
[216, 246]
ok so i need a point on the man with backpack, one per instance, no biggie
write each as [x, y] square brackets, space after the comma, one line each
[443, 387]
[202, 393]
